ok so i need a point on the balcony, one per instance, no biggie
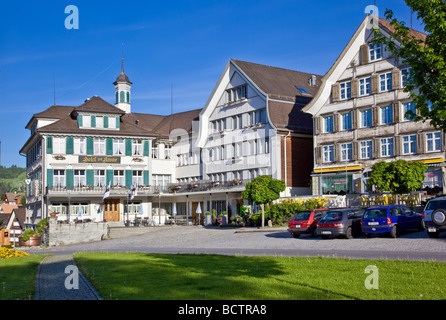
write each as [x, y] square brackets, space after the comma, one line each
[99, 191]
[207, 186]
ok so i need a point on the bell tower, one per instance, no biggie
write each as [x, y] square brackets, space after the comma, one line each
[122, 91]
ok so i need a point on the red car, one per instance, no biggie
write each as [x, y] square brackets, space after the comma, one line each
[305, 222]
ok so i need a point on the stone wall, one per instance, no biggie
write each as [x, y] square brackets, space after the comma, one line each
[72, 233]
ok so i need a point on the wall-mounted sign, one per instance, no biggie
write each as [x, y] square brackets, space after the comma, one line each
[99, 159]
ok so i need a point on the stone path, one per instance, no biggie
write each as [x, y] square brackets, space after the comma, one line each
[57, 279]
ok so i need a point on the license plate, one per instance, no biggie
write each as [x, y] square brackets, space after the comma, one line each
[432, 230]
[297, 225]
[373, 223]
[326, 232]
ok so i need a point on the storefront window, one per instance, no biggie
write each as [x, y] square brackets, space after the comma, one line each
[336, 184]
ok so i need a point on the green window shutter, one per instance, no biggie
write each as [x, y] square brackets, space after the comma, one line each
[70, 178]
[69, 146]
[122, 96]
[105, 121]
[118, 122]
[109, 177]
[49, 177]
[128, 97]
[49, 145]
[90, 146]
[128, 147]
[146, 148]
[90, 177]
[146, 177]
[79, 120]
[109, 146]
[93, 121]
[128, 178]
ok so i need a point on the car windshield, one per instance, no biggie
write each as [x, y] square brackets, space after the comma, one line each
[436, 204]
[304, 215]
[332, 216]
[375, 213]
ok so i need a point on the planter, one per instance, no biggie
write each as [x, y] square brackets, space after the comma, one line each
[32, 242]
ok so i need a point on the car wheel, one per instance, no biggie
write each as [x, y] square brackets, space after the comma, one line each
[349, 233]
[394, 232]
[296, 235]
[439, 217]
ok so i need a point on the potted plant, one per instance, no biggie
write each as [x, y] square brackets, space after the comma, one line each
[208, 218]
[31, 238]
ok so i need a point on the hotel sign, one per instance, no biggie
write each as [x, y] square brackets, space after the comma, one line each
[99, 159]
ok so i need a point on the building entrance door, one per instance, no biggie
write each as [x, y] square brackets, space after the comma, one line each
[111, 210]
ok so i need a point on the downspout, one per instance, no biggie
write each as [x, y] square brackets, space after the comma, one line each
[285, 160]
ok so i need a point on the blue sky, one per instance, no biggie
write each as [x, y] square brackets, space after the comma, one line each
[183, 45]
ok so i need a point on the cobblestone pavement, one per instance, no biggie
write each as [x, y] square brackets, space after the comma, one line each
[57, 279]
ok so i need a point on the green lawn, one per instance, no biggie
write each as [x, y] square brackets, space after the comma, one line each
[215, 277]
[18, 276]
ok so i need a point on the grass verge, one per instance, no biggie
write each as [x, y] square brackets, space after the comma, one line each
[215, 277]
[18, 277]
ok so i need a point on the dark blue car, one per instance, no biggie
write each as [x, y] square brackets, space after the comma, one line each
[390, 219]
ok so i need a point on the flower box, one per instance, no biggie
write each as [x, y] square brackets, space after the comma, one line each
[32, 242]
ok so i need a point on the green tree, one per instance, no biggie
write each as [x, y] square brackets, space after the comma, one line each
[425, 55]
[398, 176]
[263, 190]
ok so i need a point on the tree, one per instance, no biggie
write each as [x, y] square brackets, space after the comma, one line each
[263, 190]
[425, 55]
[398, 176]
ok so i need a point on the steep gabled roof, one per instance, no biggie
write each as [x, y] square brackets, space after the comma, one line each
[98, 105]
[279, 83]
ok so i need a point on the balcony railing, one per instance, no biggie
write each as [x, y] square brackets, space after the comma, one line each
[186, 187]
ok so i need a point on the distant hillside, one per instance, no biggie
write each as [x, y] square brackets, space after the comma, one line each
[12, 177]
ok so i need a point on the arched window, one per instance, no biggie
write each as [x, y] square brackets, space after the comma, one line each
[128, 97]
[122, 96]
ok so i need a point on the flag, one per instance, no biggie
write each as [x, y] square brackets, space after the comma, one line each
[107, 191]
[80, 212]
[133, 192]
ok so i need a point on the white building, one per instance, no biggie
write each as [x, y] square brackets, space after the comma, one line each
[251, 125]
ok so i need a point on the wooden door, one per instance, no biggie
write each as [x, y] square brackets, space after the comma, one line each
[111, 210]
[195, 215]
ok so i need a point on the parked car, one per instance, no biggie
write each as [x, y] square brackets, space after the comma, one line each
[390, 219]
[340, 223]
[434, 215]
[305, 222]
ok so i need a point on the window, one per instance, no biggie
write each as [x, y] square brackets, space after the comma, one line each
[112, 122]
[364, 86]
[118, 146]
[137, 147]
[385, 82]
[86, 120]
[386, 147]
[386, 115]
[160, 180]
[345, 89]
[328, 124]
[346, 152]
[118, 178]
[122, 96]
[410, 106]
[346, 121]
[76, 208]
[433, 141]
[366, 149]
[99, 178]
[79, 146]
[99, 146]
[303, 90]
[267, 145]
[59, 145]
[375, 51]
[79, 178]
[59, 178]
[409, 144]
[406, 78]
[99, 122]
[366, 118]
[137, 178]
[237, 93]
[328, 155]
